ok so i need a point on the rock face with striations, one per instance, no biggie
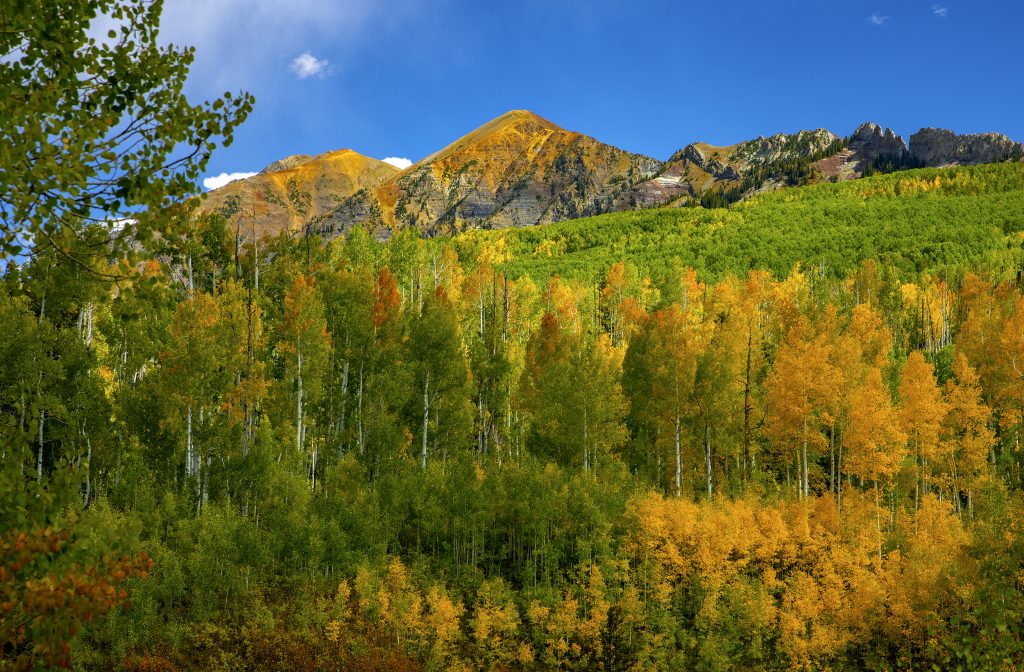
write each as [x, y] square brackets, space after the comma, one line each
[939, 147]
[291, 192]
[517, 170]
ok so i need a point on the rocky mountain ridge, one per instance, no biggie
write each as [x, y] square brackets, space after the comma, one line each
[940, 147]
[517, 170]
[520, 169]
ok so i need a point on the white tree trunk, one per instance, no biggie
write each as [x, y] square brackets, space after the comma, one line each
[298, 425]
[426, 418]
[360, 409]
[88, 469]
[679, 462]
[586, 443]
[188, 442]
[39, 459]
[344, 408]
[707, 455]
[312, 471]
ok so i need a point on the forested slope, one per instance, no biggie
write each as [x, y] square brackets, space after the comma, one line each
[640, 441]
[917, 221]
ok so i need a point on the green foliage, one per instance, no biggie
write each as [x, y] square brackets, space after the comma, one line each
[79, 140]
[971, 218]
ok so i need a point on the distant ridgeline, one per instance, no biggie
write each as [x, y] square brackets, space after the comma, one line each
[519, 170]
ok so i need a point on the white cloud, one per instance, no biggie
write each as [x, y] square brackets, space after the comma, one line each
[877, 20]
[940, 11]
[398, 162]
[306, 65]
[218, 181]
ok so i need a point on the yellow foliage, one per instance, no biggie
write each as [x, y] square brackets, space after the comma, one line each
[803, 570]
[442, 617]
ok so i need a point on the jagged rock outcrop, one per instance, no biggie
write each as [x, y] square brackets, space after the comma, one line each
[870, 141]
[699, 167]
[517, 170]
[940, 147]
[291, 192]
[781, 148]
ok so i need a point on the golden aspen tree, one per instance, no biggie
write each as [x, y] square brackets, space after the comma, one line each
[198, 378]
[494, 626]
[980, 335]
[864, 343]
[967, 437]
[1011, 365]
[405, 604]
[798, 384]
[877, 445]
[624, 300]
[441, 622]
[922, 413]
[660, 371]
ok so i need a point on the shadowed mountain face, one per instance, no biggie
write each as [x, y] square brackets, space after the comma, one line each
[291, 192]
[521, 170]
[517, 170]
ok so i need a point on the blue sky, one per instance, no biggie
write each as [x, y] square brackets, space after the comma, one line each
[402, 78]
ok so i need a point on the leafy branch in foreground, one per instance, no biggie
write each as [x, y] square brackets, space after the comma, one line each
[97, 130]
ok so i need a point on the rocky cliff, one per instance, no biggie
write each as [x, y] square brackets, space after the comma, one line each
[289, 193]
[939, 147]
[870, 142]
[517, 170]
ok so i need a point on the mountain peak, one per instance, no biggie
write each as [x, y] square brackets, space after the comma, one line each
[290, 191]
[520, 116]
[515, 127]
[518, 169]
[286, 163]
[523, 120]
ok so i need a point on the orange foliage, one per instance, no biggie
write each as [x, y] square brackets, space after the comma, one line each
[42, 609]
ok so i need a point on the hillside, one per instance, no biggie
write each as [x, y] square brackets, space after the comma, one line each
[517, 170]
[920, 220]
[290, 192]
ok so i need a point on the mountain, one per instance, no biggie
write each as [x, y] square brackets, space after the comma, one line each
[290, 192]
[517, 170]
[520, 170]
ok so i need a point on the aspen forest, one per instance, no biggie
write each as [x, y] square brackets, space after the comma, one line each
[785, 434]
[356, 455]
